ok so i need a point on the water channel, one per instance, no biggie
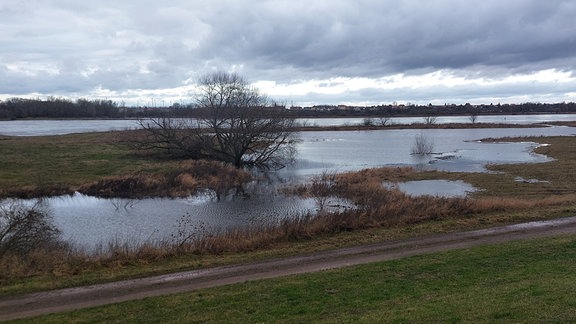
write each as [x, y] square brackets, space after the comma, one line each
[89, 221]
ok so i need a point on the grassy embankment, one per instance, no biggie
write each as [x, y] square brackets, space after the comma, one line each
[72, 161]
[518, 282]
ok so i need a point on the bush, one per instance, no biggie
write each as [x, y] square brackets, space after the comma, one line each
[25, 229]
[422, 146]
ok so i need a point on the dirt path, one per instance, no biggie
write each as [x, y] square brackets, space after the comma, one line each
[89, 296]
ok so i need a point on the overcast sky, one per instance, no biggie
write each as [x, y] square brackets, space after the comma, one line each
[308, 52]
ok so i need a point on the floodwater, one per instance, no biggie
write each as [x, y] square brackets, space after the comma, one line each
[488, 119]
[453, 149]
[437, 188]
[60, 127]
[88, 221]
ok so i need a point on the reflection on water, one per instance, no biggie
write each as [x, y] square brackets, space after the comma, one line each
[89, 221]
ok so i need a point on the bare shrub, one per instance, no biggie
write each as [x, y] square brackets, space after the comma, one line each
[422, 145]
[188, 231]
[430, 120]
[384, 121]
[24, 229]
[367, 122]
[321, 188]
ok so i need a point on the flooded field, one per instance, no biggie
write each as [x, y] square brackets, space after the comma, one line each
[89, 221]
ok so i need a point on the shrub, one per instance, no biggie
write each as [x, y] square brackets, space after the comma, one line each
[322, 188]
[430, 120]
[25, 229]
[422, 145]
[367, 122]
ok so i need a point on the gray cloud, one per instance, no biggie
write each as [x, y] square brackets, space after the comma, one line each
[66, 47]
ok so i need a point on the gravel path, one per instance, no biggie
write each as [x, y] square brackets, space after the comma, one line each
[75, 298]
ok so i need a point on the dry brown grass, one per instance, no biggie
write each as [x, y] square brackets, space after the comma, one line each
[381, 206]
[189, 177]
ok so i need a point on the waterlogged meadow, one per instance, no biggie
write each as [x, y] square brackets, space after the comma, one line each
[135, 209]
[129, 213]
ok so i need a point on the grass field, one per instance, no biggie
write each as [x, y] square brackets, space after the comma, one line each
[525, 281]
[62, 163]
[33, 167]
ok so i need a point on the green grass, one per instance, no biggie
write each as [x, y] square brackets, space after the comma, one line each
[523, 281]
[63, 161]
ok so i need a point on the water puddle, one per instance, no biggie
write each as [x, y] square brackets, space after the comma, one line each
[520, 179]
[438, 188]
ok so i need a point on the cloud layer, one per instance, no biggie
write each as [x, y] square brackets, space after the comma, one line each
[306, 52]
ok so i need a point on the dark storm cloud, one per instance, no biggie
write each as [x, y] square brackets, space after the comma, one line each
[73, 47]
[373, 38]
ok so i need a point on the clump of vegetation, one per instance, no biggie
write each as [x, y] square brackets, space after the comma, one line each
[24, 229]
[322, 188]
[28, 240]
[430, 120]
[422, 145]
[189, 178]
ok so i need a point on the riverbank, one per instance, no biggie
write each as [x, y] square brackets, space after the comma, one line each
[519, 259]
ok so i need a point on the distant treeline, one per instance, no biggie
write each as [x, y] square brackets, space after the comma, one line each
[434, 110]
[20, 108]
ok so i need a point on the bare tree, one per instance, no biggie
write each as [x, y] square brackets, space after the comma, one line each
[236, 125]
[176, 137]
